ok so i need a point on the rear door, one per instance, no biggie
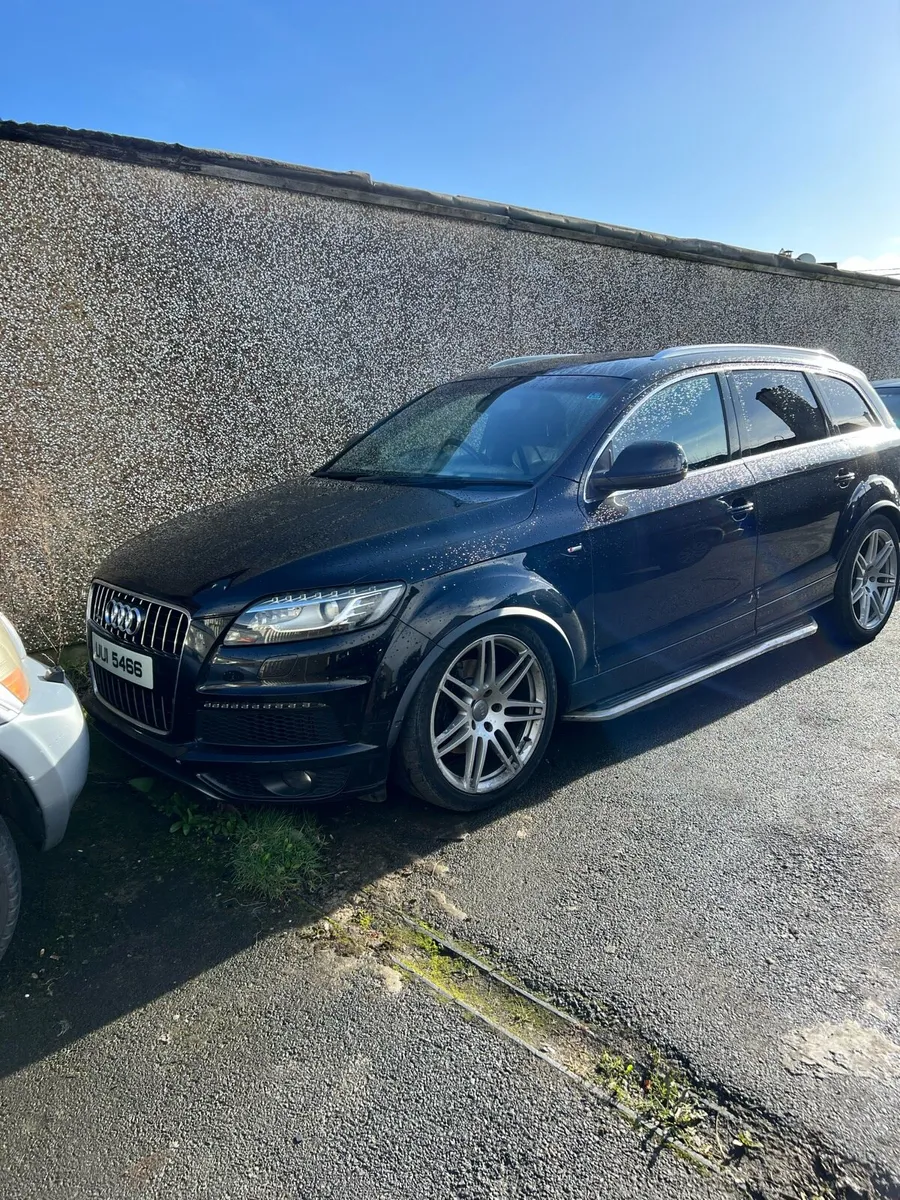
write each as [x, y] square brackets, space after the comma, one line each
[803, 482]
[674, 566]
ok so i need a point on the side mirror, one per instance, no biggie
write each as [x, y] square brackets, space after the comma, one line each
[640, 465]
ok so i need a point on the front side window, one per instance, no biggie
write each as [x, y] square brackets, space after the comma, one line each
[480, 431]
[777, 409]
[846, 407]
[891, 398]
[688, 412]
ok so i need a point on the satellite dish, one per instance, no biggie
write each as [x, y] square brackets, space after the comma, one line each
[810, 258]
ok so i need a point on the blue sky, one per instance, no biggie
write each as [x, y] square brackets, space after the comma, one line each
[768, 124]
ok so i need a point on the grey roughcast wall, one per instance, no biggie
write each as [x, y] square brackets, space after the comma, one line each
[179, 326]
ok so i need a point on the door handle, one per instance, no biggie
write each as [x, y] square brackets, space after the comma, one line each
[740, 508]
[844, 477]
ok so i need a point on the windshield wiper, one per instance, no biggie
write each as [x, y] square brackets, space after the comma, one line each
[362, 477]
[454, 481]
[440, 481]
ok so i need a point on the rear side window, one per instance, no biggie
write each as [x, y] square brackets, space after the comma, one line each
[891, 398]
[846, 407]
[777, 409]
[688, 412]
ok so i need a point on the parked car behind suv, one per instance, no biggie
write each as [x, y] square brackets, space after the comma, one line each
[43, 761]
[889, 391]
[567, 535]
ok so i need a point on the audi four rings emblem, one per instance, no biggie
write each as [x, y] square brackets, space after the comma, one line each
[126, 618]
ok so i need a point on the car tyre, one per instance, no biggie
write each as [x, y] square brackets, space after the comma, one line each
[10, 886]
[866, 586]
[480, 721]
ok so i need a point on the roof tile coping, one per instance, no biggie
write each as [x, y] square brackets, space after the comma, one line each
[359, 187]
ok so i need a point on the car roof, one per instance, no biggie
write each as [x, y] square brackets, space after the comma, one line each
[891, 383]
[638, 365]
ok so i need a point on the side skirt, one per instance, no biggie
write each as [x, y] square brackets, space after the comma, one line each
[628, 703]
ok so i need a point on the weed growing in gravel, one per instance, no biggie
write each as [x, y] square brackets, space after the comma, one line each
[616, 1074]
[657, 1093]
[74, 661]
[188, 816]
[272, 853]
[669, 1101]
[745, 1141]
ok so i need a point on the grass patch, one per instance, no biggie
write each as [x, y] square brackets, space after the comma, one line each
[272, 853]
[276, 852]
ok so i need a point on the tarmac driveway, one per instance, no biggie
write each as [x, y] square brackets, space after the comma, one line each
[723, 871]
[717, 875]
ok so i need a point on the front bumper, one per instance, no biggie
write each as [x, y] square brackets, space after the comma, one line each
[268, 774]
[283, 723]
[46, 746]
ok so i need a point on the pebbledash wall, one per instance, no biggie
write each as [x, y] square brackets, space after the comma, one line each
[177, 326]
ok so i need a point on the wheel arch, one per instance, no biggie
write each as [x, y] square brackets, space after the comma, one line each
[859, 511]
[888, 509]
[550, 631]
[18, 805]
[876, 493]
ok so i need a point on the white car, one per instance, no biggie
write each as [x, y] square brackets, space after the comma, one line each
[43, 761]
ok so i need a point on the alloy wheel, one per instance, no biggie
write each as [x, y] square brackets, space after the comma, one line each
[874, 579]
[488, 713]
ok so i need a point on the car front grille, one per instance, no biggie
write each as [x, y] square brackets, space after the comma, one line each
[148, 707]
[267, 723]
[162, 631]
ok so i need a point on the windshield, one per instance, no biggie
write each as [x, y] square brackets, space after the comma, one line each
[480, 431]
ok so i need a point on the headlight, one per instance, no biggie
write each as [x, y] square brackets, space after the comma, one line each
[14, 687]
[313, 614]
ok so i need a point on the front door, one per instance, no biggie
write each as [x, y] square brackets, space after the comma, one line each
[674, 566]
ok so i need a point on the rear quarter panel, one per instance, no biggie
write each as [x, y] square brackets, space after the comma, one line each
[878, 483]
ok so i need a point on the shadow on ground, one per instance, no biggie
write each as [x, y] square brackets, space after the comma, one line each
[124, 911]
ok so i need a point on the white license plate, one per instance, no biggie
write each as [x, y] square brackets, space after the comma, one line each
[124, 663]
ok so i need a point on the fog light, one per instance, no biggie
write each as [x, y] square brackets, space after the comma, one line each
[298, 781]
[289, 784]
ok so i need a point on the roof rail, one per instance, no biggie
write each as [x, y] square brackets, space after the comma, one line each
[530, 358]
[676, 351]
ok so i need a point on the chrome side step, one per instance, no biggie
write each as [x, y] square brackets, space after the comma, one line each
[608, 712]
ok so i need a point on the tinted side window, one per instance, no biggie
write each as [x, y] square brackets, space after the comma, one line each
[777, 409]
[688, 412]
[891, 398]
[846, 407]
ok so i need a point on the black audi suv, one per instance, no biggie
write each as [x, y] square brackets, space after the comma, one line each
[552, 536]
